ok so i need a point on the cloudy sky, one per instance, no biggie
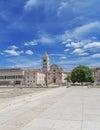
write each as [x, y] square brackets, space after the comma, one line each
[68, 30]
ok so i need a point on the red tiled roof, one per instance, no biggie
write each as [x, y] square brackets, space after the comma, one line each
[31, 71]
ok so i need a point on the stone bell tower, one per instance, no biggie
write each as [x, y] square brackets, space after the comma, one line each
[45, 62]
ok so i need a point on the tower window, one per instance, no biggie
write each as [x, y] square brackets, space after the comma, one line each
[54, 70]
[44, 60]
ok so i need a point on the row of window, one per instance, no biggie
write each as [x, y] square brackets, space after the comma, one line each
[32, 74]
[31, 81]
[30, 77]
[55, 73]
[12, 77]
[33, 77]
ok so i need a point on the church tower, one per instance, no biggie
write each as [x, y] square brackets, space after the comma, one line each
[45, 62]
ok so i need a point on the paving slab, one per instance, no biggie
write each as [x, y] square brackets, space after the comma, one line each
[58, 109]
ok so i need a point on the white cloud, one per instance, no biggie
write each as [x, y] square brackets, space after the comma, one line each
[68, 45]
[79, 32]
[62, 7]
[81, 37]
[13, 52]
[13, 47]
[31, 43]
[30, 3]
[83, 54]
[66, 50]
[29, 52]
[74, 44]
[43, 38]
[95, 55]
[79, 52]
[63, 57]
[92, 45]
[86, 28]
[67, 41]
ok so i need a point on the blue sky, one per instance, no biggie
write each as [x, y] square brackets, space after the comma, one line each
[68, 30]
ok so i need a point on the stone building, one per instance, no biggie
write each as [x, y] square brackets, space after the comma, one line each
[18, 76]
[56, 75]
[12, 76]
[96, 73]
[34, 78]
[45, 63]
[53, 73]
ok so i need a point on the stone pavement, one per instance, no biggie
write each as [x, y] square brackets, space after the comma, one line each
[56, 109]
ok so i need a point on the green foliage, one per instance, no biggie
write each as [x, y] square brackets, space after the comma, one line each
[68, 78]
[82, 74]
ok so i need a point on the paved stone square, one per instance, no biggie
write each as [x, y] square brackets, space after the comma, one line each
[75, 108]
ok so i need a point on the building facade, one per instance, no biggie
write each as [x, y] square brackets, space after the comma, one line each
[34, 78]
[53, 74]
[96, 73]
[12, 76]
[56, 75]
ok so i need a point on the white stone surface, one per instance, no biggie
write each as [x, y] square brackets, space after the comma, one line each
[56, 109]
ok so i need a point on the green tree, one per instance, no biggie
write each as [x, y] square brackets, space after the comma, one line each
[82, 74]
[68, 78]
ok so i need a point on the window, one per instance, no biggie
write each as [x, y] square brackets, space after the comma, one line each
[44, 60]
[10, 77]
[19, 76]
[2, 77]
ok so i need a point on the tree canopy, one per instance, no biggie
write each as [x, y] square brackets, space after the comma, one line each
[68, 78]
[82, 74]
